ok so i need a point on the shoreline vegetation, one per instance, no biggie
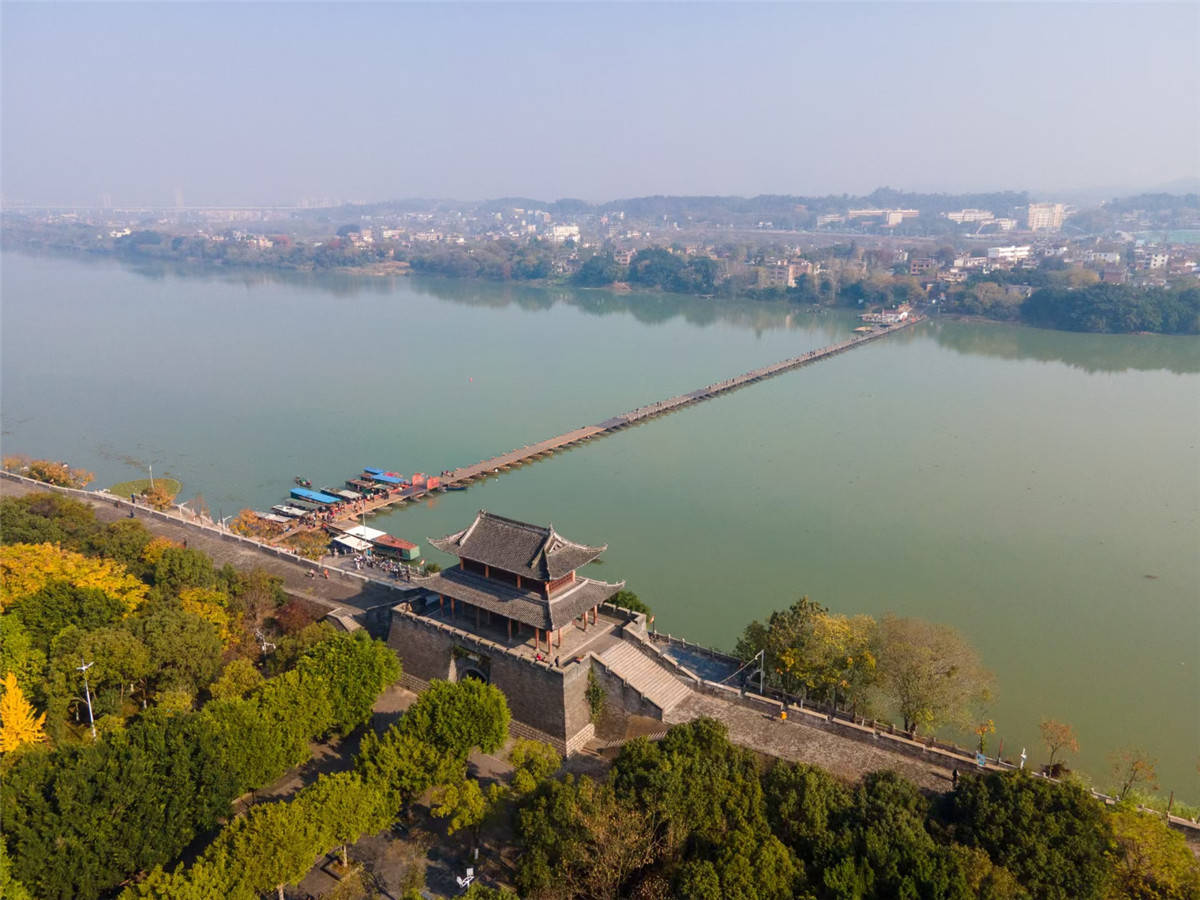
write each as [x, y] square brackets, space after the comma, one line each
[195, 705]
[1050, 294]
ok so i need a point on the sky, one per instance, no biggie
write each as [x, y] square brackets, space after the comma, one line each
[278, 103]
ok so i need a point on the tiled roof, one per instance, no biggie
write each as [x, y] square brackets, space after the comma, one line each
[527, 607]
[531, 551]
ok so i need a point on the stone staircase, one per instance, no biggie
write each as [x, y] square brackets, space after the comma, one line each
[654, 682]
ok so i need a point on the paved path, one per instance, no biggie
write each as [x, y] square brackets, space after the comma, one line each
[795, 741]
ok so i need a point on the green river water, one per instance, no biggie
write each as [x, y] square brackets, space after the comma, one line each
[1038, 490]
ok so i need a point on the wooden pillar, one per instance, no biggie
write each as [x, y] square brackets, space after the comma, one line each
[441, 603]
[558, 638]
[518, 581]
[509, 628]
[477, 617]
[537, 639]
[453, 614]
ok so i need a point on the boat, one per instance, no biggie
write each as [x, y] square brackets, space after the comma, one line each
[303, 482]
[456, 487]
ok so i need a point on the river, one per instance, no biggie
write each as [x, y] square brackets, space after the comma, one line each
[1038, 490]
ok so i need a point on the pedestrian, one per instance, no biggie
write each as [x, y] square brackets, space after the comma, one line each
[954, 778]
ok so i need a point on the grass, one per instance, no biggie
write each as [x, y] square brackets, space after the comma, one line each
[125, 488]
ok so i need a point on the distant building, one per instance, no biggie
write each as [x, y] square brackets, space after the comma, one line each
[921, 265]
[1156, 260]
[561, 233]
[1044, 216]
[1008, 254]
[623, 257]
[778, 275]
[970, 215]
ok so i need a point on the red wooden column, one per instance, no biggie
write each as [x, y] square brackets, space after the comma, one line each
[558, 638]
[509, 627]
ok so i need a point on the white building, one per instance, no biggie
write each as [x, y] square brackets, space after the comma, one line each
[560, 233]
[1008, 254]
[1044, 216]
[970, 215]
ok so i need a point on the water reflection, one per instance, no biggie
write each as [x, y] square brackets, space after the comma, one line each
[1093, 353]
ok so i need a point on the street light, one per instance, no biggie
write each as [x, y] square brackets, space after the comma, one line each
[83, 667]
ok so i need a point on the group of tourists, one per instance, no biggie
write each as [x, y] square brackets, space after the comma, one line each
[393, 567]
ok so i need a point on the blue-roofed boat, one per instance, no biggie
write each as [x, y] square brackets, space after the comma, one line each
[386, 479]
[315, 496]
[371, 471]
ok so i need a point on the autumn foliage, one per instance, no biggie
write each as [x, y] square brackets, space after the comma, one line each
[18, 724]
[50, 472]
[26, 568]
[248, 523]
[158, 496]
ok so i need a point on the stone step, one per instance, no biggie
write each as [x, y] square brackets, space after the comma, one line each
[653, 681]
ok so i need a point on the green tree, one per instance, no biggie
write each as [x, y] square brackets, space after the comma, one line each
[59, 604]
[533, 762]
[1152, 862]
[48, 519]
[804, 805]
[458, 717]
[19, 656]
[630, 601]
[929, 673]
[185, 650]
[598, 271]
[1051, 836]
[347, 808]
[238, 678]
[579, 840]
[9, 886]
[272, 846]
[705, 799]
[884, 849]
[783, 639]
[180, 567]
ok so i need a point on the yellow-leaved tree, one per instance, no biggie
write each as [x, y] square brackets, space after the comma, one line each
[211, 606]
[18, 724]
[27, 568]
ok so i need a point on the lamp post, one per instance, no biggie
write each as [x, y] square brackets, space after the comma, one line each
[150, 466]
[87, 692]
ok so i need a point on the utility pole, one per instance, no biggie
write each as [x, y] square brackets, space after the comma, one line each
[151, 467]
[83, 667]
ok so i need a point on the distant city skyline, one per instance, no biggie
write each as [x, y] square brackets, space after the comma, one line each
[268, 104]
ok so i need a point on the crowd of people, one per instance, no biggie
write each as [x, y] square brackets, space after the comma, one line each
[393, 567]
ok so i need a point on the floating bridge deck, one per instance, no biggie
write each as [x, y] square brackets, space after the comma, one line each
[532, 452]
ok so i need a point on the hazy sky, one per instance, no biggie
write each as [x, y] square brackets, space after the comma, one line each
[272, 103]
